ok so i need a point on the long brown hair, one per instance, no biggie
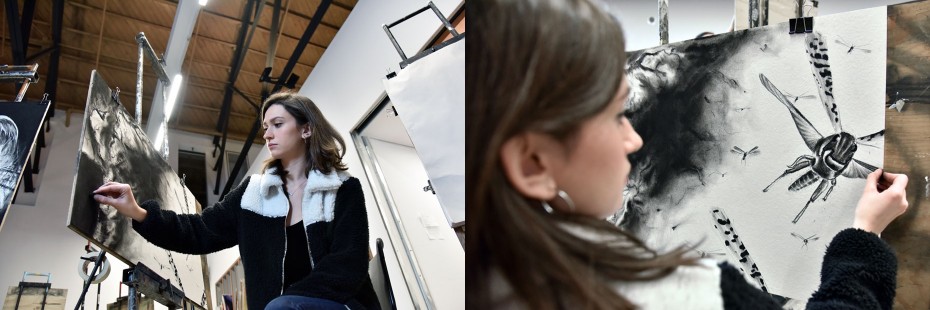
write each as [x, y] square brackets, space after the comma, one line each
[325, 147]
[544, 66]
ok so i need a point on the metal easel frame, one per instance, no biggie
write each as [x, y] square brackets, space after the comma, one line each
[456, 36]
[25, 74]
[23, 285]
[145, 48]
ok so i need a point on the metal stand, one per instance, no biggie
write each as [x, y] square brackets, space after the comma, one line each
[23, 285]
[25, 74]
[145, 48]
[141, 279]
[90, 279]
[445, 22]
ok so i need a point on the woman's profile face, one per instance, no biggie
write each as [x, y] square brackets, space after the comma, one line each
[282, 133]
[597, 169]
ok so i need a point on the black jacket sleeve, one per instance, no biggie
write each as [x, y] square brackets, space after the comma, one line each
[340, 274]
[215, 229]
[859, 272]
[739, 294]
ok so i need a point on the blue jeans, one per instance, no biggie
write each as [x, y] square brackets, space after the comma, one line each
[294, 302]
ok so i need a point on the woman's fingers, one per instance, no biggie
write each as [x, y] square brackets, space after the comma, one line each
[898, 181]
[872, 181]
[103, 199]
[107, 189]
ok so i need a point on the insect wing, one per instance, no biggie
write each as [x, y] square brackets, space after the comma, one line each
[858, 169]
[810, 134]
[820, 66]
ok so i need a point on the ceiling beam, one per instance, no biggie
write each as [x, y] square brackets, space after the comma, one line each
[206, 11]
[308, 33]
[16, 34]
[108, 40]
[148, 98]
[343, 6]
[217, 14]
[181, 29]
[212, 109]
[51, 84]
[192, 81]
[248, 18]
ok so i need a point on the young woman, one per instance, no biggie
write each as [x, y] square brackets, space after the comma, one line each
[546, 159]
[301, 225]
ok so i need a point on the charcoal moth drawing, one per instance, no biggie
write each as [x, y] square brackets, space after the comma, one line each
[725, 118]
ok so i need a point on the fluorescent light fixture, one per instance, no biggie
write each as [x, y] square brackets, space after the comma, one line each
[202, 2]
[160, 137]
[172, 96]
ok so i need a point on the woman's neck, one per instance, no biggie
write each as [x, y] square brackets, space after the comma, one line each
[296, 168]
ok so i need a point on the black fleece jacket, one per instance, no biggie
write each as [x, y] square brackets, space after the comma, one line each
[339, 248]
[859, 272]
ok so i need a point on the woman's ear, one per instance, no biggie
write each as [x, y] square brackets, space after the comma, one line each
[305, 131]
[530, 162]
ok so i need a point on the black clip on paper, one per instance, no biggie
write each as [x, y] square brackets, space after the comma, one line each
[801, 25]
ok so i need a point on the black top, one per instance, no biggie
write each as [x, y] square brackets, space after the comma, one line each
[339, 247]
[297, 259]
[859, 271]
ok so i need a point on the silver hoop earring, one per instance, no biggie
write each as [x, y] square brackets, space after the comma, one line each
[568, 201]
[547, 207]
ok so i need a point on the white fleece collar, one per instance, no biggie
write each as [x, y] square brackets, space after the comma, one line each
[319, 195]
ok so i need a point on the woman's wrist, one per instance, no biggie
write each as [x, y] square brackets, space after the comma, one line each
[140, 215]
[866, 227]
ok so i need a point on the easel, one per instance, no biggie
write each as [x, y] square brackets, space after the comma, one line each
[158, 65]
[23, 285]
[141, 279]
[92, 277]
[25, 74]
[445, 22]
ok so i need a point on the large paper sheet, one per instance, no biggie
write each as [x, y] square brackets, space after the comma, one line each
[429, 96]
[724, 117]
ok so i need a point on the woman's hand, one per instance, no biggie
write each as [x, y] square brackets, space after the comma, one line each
[119, 196]
[881, 202]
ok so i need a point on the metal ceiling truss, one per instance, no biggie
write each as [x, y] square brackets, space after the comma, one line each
[20, 28]
[286, 72]
[242, 46]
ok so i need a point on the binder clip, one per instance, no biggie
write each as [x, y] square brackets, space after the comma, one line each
[801, 25]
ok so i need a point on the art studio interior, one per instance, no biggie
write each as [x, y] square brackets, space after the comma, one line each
[760, 121]
[166, 96]
[718, 136]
